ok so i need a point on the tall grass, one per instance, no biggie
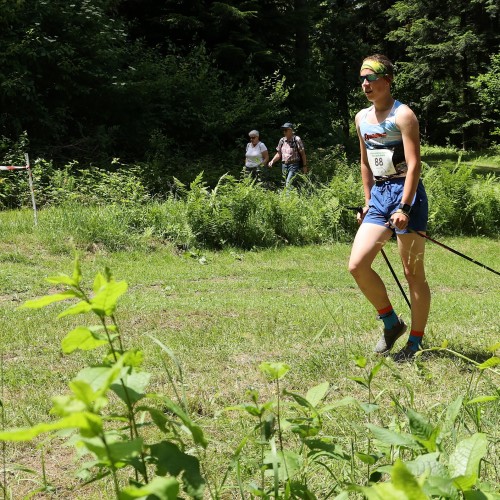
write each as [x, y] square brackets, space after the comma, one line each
[113, 211]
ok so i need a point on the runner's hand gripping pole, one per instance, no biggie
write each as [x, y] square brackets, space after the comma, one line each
[360, 210]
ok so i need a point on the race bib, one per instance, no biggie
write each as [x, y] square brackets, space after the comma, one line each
[380, 161]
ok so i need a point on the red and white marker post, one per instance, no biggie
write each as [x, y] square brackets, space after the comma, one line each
[30, 180]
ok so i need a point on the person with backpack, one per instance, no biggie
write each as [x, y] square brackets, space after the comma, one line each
[256, 155]
[291, 152]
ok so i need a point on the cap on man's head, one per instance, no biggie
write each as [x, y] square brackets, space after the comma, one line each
[287, 125]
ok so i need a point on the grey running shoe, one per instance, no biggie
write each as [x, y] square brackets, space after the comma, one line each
[390, 336]
[405, 354]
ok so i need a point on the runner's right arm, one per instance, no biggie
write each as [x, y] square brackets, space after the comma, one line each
[366, 173]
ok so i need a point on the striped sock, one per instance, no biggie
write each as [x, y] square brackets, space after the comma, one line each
[388, 316]
[415, 340]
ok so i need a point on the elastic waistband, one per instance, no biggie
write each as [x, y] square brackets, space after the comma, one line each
[379, 181]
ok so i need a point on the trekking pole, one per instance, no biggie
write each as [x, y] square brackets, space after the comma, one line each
[395, 277]
[453, 251]
[360, 210]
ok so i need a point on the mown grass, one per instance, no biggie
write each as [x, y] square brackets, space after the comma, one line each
[223, 313]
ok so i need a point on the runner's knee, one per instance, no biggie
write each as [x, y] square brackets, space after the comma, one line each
[357, 268]
[414, 277]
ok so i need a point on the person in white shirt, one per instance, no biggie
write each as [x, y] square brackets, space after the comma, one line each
[256, 155]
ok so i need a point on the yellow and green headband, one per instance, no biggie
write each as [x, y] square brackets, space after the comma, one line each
[375, 66]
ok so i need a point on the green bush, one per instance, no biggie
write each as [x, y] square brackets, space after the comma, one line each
[462, 203]
[113, 209]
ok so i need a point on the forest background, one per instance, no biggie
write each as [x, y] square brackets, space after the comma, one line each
[174, 87]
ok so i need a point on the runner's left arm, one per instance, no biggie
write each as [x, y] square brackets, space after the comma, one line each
[408, 124]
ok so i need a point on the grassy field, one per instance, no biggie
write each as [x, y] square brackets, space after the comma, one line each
[223, 313]
[483, 162]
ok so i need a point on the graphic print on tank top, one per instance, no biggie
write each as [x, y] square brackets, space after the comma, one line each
[384, 145]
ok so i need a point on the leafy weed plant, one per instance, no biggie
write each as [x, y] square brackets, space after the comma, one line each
[109, 412]
[301, 446]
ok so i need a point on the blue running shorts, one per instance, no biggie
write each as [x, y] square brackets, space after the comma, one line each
[385, 199]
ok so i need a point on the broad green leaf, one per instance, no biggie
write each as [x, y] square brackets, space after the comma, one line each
[392, 438]
[81, 338]
[116, 451]
[481, 495]
[100, 378]
[348, 400]
[68, 404]
[288, 463]
[194, 429]
[489, 363]
[360, 380]
[104, 302]
[83, 392]
[85, 422]
[375, 370]
[274, 371]
[122, 452]
[365, 458]
[429, 464]
[421, 428]
[96, 446]
[451, 415]
[494, 347]
[482, 399]
[157, 416]
[317, 393]
[368, 407]
[419, 425]
[134, 358]
[326, 446]
[99, 282]
[49, 299]
[163, 488]
[81, 307]
[131, 387]
[304, 428]
[465, 483]
[465, 459]
[360, 361]
[62, 279]
[381, 491]
[440, 486]
[301, 400]
[169, 459]
[406, 482]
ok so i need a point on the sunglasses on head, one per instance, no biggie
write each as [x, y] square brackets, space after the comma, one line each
[371, 77]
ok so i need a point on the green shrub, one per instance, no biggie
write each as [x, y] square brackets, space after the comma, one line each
[462, 203]
[113, 209]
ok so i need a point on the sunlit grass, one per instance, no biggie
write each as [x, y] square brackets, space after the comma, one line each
[223, 313]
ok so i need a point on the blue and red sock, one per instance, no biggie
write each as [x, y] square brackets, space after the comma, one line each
[415, 340]
[388, 316]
